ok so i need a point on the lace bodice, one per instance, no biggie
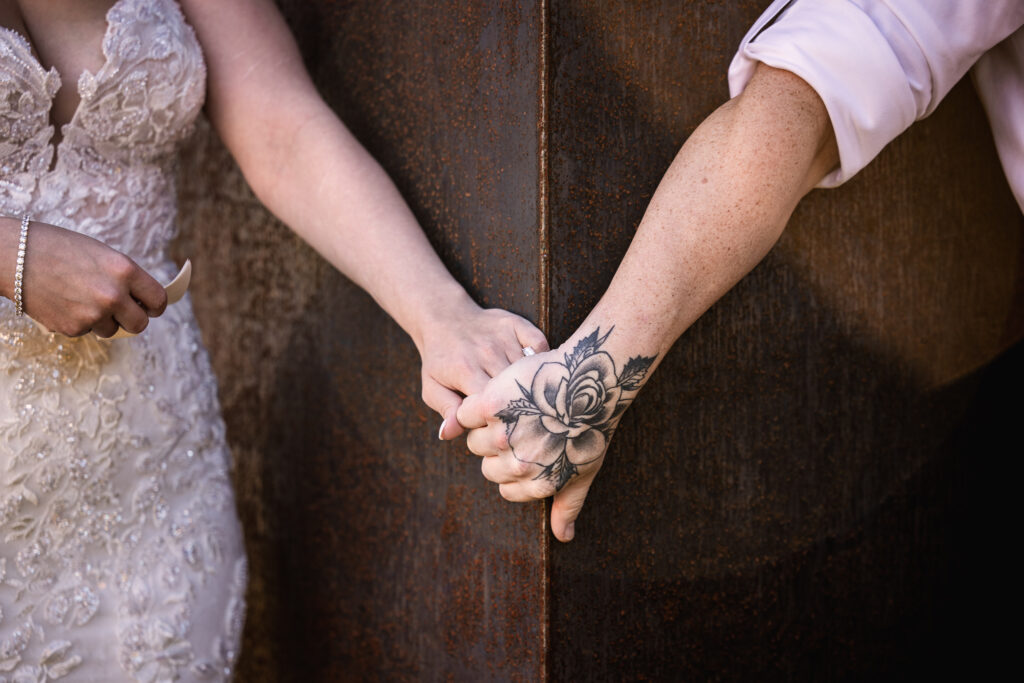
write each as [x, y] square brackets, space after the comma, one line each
[109, 177]
[121, 556]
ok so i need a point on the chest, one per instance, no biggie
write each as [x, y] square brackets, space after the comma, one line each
[128, 86]
[65, 35]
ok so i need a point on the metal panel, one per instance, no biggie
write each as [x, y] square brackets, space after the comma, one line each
[785, 499]
[798, 492]
[376, 551]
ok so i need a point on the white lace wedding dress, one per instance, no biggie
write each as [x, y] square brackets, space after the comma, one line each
[121, 556]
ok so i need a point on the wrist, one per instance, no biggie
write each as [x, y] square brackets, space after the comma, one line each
[441, 309]
[10, 229]
[628, 359]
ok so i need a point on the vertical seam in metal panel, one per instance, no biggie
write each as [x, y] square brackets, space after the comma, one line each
[542, 190]
[544, 309]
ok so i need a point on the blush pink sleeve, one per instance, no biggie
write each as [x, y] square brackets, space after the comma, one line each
[878, 65]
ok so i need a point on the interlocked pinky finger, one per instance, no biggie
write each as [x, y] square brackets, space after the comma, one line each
[506, 468]
[524, 489]
[540, 488]
[518, 470]
[493, 469]
[489, 440]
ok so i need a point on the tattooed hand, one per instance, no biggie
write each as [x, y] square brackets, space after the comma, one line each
[543, 425]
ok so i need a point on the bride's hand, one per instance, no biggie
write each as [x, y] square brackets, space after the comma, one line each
[74, 284]
[462, 348]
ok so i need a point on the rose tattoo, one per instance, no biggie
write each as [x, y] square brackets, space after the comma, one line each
[568, 414]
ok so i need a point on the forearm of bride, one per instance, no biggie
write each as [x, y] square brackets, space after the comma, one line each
[328, 188]
[309, 170]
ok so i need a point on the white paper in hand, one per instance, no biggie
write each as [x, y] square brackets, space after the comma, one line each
[175, 289]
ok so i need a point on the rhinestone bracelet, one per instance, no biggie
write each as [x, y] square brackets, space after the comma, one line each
[19, 271]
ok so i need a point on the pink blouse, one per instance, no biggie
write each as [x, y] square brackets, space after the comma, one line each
[880, 65]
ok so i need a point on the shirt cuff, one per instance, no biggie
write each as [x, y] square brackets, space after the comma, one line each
[838, 50]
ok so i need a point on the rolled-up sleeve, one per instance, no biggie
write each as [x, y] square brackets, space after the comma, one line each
[878, 65]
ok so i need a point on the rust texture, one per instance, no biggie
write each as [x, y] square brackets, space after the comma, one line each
[377, 552]
[810, 488]
[803, 489]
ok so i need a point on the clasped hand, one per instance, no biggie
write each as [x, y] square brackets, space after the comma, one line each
[543, 425]
[462, 348]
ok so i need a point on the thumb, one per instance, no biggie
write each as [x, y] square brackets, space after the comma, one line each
[566, 506]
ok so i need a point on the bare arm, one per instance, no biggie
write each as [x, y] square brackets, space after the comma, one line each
[720, 207]
[309, 170]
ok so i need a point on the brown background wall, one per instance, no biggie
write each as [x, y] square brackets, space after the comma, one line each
[810, 488]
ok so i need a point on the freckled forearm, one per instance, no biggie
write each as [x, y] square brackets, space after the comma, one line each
[721, 206]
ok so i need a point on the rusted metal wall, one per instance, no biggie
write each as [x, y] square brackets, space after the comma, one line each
[376, 553]
[788, 498]
[809, 487]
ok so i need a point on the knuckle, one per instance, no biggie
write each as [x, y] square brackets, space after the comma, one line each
[473, 444]
[519, 468]
[486, 470]
[542, 488]
[106, 299]
[122, 267]
[94, 318]
[492, 404]
[73, 329]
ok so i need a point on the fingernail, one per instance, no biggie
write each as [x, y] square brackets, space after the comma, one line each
[440, 430]
[570, 531]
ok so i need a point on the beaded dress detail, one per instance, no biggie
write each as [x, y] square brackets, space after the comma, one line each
[121, 556]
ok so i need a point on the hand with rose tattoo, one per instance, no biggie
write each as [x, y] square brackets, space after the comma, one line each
[544, 425]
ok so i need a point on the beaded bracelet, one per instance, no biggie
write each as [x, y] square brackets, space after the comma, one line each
[19, 271]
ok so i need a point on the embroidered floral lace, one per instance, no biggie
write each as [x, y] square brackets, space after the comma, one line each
[121, 556]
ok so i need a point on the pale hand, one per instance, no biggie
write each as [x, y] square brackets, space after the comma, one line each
[463, 348]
